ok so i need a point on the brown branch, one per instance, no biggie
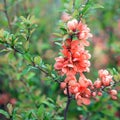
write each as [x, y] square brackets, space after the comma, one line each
[69, 98]
[7, 16]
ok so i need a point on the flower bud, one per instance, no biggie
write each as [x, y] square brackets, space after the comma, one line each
[94, 94]
[114, 97]
[99, 93]
[97, 84]
[113, 92]
[62, 85]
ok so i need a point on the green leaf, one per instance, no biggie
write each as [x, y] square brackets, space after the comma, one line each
[26, 46]
[97, 6]
[27, 69]
[40, 112]
[27, 56]
[75, 13]
[115, 71]
[4, 113]
[59, 44]
[37, 60]
[64, 30]
[23, 19]
[57, 34]
[77, 4]
[3, 52]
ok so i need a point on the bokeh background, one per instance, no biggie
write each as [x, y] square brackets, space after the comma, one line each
[34, 94]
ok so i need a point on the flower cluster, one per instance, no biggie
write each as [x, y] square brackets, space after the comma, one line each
[104, 80]
[74, 61]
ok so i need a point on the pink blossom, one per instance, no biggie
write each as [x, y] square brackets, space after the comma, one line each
[72, 25]
[98, 83]
[62, 85]
[113, 92]
[65, 17]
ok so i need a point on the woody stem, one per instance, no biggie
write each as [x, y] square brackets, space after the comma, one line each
[7, 16]
[68, 103]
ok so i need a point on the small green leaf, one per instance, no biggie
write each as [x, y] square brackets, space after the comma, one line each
[27, 69]
[115, 71]
[64, 30]
[37, 60]
[4, 113]
[57, 34]
[97, 6]
[40, 112]
[27, 56]
[3, 52]
[59, 44]
[26, 45]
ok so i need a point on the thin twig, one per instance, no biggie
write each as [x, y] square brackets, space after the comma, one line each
[73, 4]
[86, 1]
[7, 16]
[33, 64]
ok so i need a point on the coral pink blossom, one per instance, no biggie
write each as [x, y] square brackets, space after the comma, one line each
[72, 24]
[114, 97]
[113, 92]
[84, 31]
[74, 61]
[65, 17]
[82, 100]
[13, 101]
[99, 93]
[103, 73]
[75, 58]
[105, 77]
[98, 83]
[63, 85]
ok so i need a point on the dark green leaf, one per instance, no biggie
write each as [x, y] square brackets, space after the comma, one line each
[3, 52]
[4, 113]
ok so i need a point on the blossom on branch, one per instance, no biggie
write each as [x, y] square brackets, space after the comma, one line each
[74, 61]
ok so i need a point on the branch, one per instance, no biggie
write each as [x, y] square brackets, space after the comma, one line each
[68, 102]
[7, 16]
[32, 62]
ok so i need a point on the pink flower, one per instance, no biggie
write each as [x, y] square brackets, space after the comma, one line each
[99, 93]
[113, 92]
[84, 31]
[105, 77]
[82, 100]
[103, 73]
[98, 83]
[75, 60]
[72, 25]
[13, 101]
[59, 63]
[62, 85]
[114, 97]
[65, 17]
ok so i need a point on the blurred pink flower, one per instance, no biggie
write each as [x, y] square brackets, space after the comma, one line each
[65, 17]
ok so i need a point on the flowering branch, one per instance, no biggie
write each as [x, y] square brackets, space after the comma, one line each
[75, 60]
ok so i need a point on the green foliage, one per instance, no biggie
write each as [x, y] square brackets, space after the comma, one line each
[4, 113]
[27, 57]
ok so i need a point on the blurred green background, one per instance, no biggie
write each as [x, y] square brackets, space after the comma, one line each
[33, 93]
